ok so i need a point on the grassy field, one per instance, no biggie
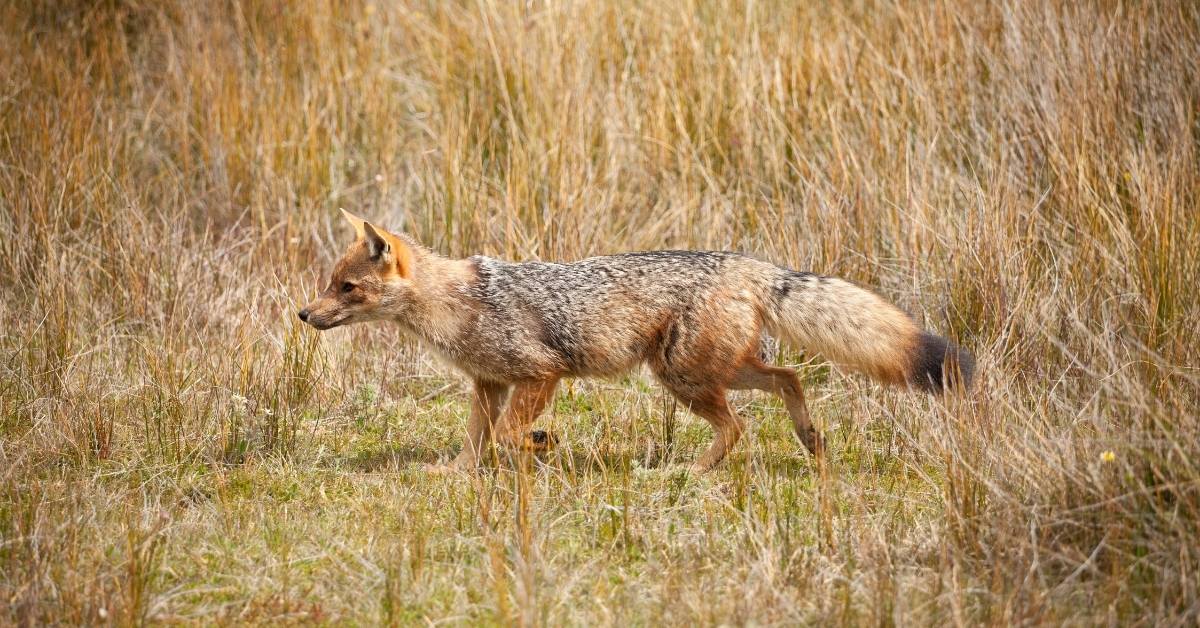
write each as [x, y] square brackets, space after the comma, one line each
[176, 448]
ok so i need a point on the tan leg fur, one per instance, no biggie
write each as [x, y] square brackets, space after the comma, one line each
[528, 400]
[485, 407]
[754, 375]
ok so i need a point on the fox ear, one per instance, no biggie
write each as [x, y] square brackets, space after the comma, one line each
[390, 249]
[377, 245]
[383, 246]
[358, 223]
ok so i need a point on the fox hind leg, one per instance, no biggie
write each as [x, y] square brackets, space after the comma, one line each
[701, 393]
[712, 406]
[686, 364]
[753, 374]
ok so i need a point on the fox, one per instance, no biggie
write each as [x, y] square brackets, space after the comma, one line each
[699, 320]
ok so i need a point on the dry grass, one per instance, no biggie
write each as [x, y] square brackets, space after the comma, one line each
[175, 448]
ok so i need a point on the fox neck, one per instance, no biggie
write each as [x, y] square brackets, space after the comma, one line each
[439, 305]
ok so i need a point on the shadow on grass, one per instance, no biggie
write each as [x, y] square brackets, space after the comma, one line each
[573, 461]
[394, 458]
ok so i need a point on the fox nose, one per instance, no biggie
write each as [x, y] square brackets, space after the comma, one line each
[303, 314]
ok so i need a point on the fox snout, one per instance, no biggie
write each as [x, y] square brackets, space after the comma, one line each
[306, 315]
[322, 315]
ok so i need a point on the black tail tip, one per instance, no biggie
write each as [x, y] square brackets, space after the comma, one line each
[939, 364]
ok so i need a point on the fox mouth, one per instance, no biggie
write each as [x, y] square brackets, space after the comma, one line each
[323, 325]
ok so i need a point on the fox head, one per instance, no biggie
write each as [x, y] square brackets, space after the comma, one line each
[372, 281]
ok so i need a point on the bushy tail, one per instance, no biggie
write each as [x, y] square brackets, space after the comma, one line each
[857, 329]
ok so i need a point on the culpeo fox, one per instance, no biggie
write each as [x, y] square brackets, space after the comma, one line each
[696, 318]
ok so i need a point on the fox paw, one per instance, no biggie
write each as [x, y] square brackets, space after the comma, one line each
[536, 441]
[540, 440]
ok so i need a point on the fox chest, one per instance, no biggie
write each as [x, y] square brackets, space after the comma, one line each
[497, 353]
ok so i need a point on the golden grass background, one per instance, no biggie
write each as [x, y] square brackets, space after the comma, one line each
[174, 447]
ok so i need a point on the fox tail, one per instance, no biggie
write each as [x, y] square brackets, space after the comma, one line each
[859, 330]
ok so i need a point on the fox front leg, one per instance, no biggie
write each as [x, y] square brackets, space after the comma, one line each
[485, 407]
[528, 401]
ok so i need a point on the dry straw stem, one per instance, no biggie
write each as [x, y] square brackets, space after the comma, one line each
[1023, 176]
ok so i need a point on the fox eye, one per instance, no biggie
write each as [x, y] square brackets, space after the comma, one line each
[347, 287]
